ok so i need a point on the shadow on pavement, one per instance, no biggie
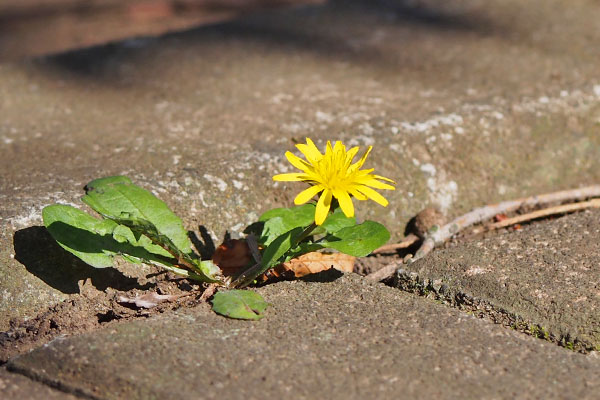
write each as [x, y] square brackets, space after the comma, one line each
[326, 276]
[206, 246]
[325, 29]
[43, 257]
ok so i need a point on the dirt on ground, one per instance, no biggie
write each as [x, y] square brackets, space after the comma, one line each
[92, 309]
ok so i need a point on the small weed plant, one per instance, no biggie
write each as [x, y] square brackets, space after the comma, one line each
[137, 226]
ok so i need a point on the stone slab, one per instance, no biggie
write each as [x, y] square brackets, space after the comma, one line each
[544, 279]
[466, 103]
[15, 386]
[341, 338]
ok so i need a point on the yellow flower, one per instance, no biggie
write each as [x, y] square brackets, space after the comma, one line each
[334, 174]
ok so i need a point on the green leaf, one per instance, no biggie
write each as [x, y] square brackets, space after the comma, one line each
[239, 304]
[116, 197]
[305, 211]
[358, 240]
[337, 221]
[281, 220]
[209, 269]
[92, 240]
[279, 247]
[302, 248]
[77, 232]
[191, 274]
[270, 257]
[205, 271]
[96, 183]
[123, 234]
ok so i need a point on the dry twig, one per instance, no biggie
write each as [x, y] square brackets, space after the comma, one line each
[484, 213]
[408, 241]
[385, 272]
[562, 209]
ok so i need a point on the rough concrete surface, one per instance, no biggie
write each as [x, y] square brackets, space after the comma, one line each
[546, 277]
[466, 102]
[341, 338]
[15, 386]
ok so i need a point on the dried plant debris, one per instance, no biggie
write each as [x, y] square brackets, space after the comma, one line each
[148, 300]
[438, 237]
[311, 263]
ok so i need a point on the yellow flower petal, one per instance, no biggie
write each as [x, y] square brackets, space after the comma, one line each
[333, 174]
[328, 150]
[307, 194]
[293, 177]
[313, 147]
[313, 177]
[362, 160]
[370, 181]
[373, 195]
[350, 155]
[364, 172]
[339, 147]
[384, 178]
[310, 151]
[323, 206]
[297, 161]
[345, 202]
[357, 194]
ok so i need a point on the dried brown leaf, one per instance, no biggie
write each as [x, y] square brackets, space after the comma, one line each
[148, 300]
[232, 255]
[311, 263]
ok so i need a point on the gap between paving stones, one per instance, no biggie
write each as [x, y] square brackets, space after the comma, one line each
[427, 278]
[104, 312]
[307, 346]
[436, 289]
[94, 309]
[17, 386]
[404, 280]
[53, 384]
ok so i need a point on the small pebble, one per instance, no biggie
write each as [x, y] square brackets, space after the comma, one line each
[426, 219]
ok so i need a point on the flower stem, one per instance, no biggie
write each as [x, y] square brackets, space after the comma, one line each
[305, 233]
[248, 276]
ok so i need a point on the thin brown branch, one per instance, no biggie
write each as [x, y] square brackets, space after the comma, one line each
[562, 209]
[405, 243]
[484, 213]
[385, 272]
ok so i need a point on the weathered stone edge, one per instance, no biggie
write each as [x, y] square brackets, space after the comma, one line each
[44, 379]
[437, 289]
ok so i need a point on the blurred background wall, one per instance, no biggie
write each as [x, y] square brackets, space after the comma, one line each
[38, 27]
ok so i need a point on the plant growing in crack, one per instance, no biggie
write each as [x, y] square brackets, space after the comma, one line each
[141, 228]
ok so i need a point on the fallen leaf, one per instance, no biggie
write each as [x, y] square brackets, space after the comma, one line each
[240, 304]
[311, 263]
[232, 255]
[148, 300]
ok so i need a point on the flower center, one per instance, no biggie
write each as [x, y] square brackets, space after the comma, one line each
[332, 170]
